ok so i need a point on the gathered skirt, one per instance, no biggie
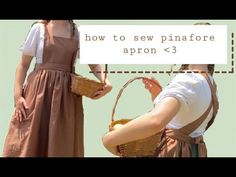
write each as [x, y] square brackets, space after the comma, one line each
[54, 123]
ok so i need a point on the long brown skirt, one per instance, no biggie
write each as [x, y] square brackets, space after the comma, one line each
[54, 123]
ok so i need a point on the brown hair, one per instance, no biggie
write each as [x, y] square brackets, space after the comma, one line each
[73, 25]
[210, 67]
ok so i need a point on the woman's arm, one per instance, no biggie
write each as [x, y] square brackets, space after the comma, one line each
[98, 72]
[145, 125]
[21, 72]
[95, 68]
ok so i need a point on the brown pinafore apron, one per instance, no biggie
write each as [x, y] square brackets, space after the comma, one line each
[54, 123]
[178, 143]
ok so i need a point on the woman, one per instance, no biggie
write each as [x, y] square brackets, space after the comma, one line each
[48, 117]
[184, 109]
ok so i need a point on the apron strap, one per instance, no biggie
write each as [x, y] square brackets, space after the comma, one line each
[188, 129]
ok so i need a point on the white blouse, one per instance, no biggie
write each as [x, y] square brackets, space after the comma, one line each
[34, 42]
[194, 94]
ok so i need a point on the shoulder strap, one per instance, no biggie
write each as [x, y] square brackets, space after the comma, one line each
[188, 129]
[215, 101]
[75, 54]
[47, 32]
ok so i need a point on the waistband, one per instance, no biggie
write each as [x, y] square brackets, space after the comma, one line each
[53, 66]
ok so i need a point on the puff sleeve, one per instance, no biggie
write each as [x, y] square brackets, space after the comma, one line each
[183, 88]
[29, 46]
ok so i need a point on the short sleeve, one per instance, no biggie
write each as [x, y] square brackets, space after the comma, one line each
[29, 47]
[183, 88]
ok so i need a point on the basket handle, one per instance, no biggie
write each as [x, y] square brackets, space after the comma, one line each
[121, 91]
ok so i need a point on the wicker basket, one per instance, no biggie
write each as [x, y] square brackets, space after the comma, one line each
[83, 86]
[141, 148]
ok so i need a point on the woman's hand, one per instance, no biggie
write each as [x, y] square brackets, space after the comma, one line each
[106, 89]
[153, 87]
[20, 110]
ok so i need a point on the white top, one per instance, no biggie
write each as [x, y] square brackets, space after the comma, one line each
[194, 94]
[34, 42]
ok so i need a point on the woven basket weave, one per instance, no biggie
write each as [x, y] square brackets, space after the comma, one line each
[83, 86]
[141, 148]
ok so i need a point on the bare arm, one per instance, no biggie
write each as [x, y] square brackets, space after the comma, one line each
[98, 72]
[21, 72]
[95, 68]
[20, 75]
[145, 125]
